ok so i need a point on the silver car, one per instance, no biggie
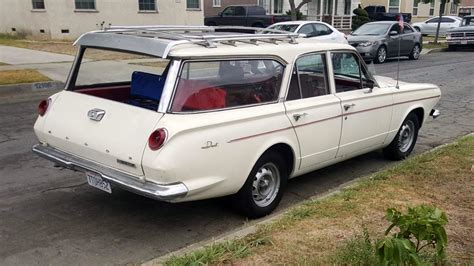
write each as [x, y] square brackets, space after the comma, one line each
[380, 40]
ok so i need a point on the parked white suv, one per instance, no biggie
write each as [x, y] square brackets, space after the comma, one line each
[230, 114]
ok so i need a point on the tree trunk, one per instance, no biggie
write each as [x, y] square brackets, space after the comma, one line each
[293, 10]
[441, 11]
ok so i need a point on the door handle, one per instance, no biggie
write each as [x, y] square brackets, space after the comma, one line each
[298, 116]
[347, 106]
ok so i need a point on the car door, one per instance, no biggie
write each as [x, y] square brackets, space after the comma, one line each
[393, 41]
[430, 26]
[446, 24]
[313, 110]
[408, 40]
[366, 113]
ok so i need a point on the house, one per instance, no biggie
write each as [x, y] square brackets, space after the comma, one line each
[68, 19]
[335, 12]
[273, 7]
[466, 8]
[419, 10]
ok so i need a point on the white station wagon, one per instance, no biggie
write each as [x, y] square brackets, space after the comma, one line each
[230, 114]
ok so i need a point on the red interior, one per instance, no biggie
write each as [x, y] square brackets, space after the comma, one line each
[115, 93]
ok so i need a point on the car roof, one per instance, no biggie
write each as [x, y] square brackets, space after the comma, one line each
[382, 22]
[202, 41]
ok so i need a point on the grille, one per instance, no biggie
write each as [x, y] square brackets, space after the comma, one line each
[457, 35]
[469, 34]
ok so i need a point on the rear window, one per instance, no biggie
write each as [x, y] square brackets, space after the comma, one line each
[212, 85]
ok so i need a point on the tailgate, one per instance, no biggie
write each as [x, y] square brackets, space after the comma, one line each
[117, 140]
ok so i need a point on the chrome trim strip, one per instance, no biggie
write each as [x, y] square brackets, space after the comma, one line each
[126, 181]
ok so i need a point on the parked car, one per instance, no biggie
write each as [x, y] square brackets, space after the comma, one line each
[230, 114]
[315, 30]
[378, 13]
[429, 26]
[380, 40]
[244, 15]
[463, 35]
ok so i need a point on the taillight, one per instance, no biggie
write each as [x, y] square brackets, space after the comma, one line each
[43, 107]
[156, 139]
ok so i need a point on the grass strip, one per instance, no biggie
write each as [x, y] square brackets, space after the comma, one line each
[9, 77]
[342, 228]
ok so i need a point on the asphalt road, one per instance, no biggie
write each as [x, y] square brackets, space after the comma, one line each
[51, 216]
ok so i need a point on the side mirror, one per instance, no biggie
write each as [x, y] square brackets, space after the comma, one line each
[393, 33]
[369, 84]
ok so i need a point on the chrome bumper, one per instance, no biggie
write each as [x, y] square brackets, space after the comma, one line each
[128, 182]
[435, 113]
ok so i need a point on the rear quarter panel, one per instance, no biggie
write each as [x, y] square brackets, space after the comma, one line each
[213, 153]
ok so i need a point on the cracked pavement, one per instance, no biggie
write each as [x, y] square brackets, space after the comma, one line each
[50, 216]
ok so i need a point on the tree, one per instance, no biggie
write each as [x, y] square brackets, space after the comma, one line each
[442, 7]
[294, 9]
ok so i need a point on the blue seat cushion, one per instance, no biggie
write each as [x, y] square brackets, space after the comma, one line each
[146, 85]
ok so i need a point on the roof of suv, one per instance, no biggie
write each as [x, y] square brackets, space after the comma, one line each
[202, 41]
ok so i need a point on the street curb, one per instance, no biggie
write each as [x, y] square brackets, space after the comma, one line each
[433, 50]
[250, 229]
[30, 87]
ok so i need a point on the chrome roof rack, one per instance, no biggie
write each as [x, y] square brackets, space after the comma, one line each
[162, 38]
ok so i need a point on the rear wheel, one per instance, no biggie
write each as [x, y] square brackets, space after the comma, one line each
[415, 52]
[264, 187]
[404, 142]
[381, 55]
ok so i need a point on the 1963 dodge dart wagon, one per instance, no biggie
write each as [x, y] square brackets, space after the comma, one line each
[230, 114]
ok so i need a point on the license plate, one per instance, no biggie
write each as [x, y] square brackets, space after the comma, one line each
[464, 42]
[97, 181]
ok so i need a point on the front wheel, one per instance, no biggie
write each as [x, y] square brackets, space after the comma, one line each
[415, 52]
[381, 55]
[404, 142]
[264, 187]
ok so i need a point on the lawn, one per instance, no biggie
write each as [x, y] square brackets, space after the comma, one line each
[342, 228]
[21, 76]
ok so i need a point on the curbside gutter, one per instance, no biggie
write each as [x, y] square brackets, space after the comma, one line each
[252, 227]
[13, 89]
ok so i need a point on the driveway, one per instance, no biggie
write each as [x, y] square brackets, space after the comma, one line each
[50, 216]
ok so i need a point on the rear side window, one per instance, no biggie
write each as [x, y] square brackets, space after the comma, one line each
[309, 78]
[322, 30]
[211, 85]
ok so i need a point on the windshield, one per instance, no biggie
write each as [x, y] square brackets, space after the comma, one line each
[371, 29]
[285, 27]
[468, 21]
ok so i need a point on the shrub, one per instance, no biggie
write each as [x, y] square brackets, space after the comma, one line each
[361, 17]
[421, 227]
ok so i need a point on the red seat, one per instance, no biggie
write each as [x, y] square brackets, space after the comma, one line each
[206, 99]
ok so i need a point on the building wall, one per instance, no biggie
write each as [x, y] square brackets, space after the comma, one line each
[61, 15]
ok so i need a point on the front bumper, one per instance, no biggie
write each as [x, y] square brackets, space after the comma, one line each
[459, 41]
[367, 52]
[131, 183]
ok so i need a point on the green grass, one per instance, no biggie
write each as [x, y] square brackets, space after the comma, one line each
[310, 233]
[434, 46]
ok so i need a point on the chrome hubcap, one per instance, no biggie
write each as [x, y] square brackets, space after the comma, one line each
[382, 55]
[266, 184]
[406, 136]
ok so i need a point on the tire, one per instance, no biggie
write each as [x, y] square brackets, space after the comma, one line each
[264, 187]
[404, 142]
[415, 52]
[381, 55]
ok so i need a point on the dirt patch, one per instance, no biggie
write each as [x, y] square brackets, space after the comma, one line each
[21, 76]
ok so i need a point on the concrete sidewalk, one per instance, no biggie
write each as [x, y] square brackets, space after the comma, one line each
[19, 56]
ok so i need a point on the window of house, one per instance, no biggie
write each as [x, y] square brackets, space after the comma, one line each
[193, 4]
[393, 6]
[454, 8]
[309, 78]
[347, 7]
[147, 5]
[348, 73]
[84, 4]
[211, 85]
[415, 7]
[432, 5]
[277, 6]
[38, 4]
[216, 3]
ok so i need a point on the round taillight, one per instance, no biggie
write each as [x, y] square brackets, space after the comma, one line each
[43, 107]
[156, 139]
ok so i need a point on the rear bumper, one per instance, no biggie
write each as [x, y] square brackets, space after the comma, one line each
[132, 183]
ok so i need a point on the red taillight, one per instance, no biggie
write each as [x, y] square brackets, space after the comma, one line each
[156, 139]
[43, 107]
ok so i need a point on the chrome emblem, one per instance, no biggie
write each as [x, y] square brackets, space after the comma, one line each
[96, 114]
